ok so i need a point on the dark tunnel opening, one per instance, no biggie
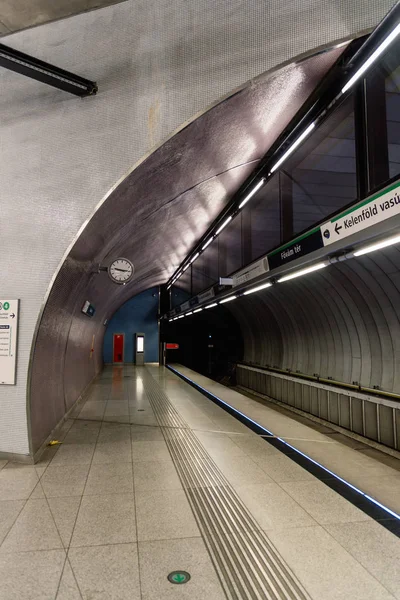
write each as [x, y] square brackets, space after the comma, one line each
[212, 344]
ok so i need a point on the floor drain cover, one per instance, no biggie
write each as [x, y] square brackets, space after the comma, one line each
[179, 577]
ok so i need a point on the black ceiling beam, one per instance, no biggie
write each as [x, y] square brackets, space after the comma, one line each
[45, 73]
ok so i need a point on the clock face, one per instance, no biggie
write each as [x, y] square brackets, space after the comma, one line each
[121, 270]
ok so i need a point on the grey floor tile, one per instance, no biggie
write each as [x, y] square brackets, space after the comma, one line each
[93, 410]
[105, 520]
[114, 478]
[273, 508]
[376, 548]
[114, 432]
[150, 451]
[107, 572]
[65, 511]
[157, 559]
[3, 463]
[30, 575]
[281, 468]
[254, 446]
[111, 452]
[325, 568]
[164, 515]
[146, 418]
[17, 484]
[243, 471]
[322, 503]
[143, 433]
[9, 511]
[155, 476]
[116, 409]
[218, 443]
[64, 481]
[73, 454]
[83, 432]
[34, 529]
[68, 589]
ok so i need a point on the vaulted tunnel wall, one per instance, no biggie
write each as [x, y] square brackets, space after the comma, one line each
[341, 322]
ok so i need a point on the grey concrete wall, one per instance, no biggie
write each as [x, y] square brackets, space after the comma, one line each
[342, 322]
[157, 64]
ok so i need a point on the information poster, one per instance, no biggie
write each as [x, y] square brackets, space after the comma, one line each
[8, 340]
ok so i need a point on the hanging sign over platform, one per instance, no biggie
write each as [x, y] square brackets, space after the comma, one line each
[172, 346]
[8, 340]
[375, 209]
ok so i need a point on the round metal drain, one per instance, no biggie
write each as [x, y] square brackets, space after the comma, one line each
[179, 577]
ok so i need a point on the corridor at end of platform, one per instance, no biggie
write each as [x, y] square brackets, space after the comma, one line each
[153, 477]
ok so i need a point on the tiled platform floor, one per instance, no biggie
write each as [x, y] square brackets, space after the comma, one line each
[105, 516]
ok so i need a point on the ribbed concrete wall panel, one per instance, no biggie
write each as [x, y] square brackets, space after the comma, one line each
[341, 323]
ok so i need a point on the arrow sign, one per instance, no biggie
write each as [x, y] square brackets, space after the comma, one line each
[12, 315]
[338, 228]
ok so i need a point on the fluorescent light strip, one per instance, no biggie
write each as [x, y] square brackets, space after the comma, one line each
[378, 245]
[184, 268]
[257, 289]
[181, 316]
[211, 305]
[385, 508]
[170, 320]
[303, 272]
[380, 49]
[224, 224]
[293, 147]
[207, 243]
[189, 313]
[227, 299]
[253, 191]
[197, 310]
[194, 258]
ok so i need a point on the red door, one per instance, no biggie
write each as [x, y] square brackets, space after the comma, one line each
[118, 348]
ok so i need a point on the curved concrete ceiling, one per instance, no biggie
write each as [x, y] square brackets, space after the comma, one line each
[154, 217]
[21, 14]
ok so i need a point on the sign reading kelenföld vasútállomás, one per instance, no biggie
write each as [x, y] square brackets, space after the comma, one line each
[378, 208]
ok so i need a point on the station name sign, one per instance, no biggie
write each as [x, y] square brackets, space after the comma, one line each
[300, 247]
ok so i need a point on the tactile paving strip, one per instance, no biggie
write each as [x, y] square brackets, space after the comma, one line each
[246, 561]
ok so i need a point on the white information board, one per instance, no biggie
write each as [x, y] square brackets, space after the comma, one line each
[8, 340]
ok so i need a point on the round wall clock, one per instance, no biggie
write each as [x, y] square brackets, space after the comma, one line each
[121, 271]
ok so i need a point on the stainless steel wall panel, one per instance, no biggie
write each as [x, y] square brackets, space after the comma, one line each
[334, 407]
[298, 394]
[386, 425]
[371, 424]
[344, 411]
[357, 415]
[323, 404]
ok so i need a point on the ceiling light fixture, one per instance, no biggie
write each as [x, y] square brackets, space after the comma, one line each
[252, 193]
[380, 49]
[227, 299]
[303, 272]
[293, 147]
[224, 224]
[207, 243]
[211, 305]
[197, 310]
[378, 245]
[257, 289]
